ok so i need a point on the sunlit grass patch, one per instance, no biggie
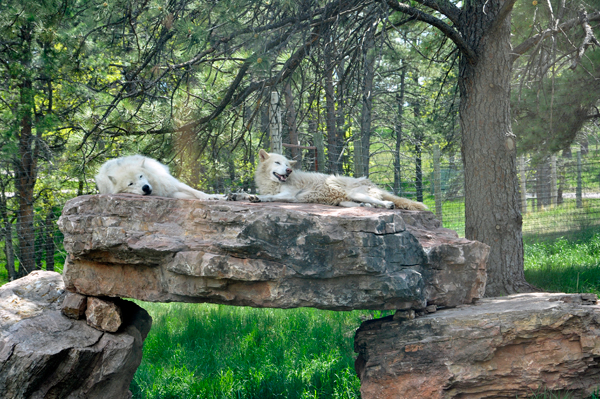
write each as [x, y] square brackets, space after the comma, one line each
[565, 265]
[215, 351]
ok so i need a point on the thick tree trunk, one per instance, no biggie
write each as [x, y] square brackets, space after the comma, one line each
[492, 212]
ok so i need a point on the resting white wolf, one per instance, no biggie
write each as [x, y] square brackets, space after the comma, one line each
[276, 182]
[137, 174]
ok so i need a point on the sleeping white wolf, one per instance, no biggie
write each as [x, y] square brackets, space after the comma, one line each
[277, 182]
[137, 174]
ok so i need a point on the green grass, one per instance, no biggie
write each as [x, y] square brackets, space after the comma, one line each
[216, 351]
[565, 265]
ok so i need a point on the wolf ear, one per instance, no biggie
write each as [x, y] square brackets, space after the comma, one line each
[143, 161]
[293, 163]
[112, 179]
[263, 155]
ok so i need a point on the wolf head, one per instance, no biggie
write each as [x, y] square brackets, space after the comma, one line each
[277, 166]
[132, 179]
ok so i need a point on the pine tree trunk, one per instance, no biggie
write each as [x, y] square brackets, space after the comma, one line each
[367, 99]
[8, 242]
[49, 240]
[290, 117]
[25, 175]
[333, 145]
[492, 212]
[400, 117]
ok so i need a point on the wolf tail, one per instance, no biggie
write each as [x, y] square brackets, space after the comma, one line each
[404, 203]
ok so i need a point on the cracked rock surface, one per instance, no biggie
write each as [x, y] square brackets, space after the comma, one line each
[504, 347]
[266, 254]
[44, 354]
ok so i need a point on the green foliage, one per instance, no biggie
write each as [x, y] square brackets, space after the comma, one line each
[212, 351]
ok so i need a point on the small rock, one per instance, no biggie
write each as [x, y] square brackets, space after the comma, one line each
[431, 309]
[104, 315]
[74, 306]
[404, 315]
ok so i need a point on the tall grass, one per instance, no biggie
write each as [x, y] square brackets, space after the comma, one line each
[212, 351]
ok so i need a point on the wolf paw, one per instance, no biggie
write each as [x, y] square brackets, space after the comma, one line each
[242, 197]
[389, 204]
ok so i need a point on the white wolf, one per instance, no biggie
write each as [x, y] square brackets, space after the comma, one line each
[137, 174]
[276, 182]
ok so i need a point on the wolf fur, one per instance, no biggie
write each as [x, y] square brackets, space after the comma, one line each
[276, 181]
[137, 174]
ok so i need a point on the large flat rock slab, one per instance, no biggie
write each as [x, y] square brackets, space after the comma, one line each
[266, 254]
[44, 354]
[508, 347]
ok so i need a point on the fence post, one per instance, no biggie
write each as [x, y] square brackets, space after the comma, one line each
[553, 182]
[275, 125]
[523, 184]
[437, 182]
[578, 192]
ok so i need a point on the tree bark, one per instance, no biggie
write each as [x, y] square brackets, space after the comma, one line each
[333, 144]
[367, 97]
[290, 117]
[419, 137]
[492, 212]
[26, 164]
[400, 120]
[49, 240]
[8, 242]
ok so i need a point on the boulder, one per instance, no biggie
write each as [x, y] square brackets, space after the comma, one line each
[266, 254]
[507, 347]
[44, 354]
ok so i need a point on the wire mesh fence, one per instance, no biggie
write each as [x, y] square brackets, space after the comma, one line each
[559, 195]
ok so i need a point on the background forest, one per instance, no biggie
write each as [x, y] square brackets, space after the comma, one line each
[357, 87]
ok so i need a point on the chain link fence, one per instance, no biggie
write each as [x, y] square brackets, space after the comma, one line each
[558, 195]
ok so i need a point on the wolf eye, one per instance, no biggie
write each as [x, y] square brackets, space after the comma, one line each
[277, 163]
[131, 184]
[141, 176]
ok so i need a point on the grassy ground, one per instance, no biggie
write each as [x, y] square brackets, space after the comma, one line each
[565, 265]
[212, 351]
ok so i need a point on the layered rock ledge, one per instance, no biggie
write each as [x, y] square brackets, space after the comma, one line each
[266, 255]
[515, 346]
[44, 354]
